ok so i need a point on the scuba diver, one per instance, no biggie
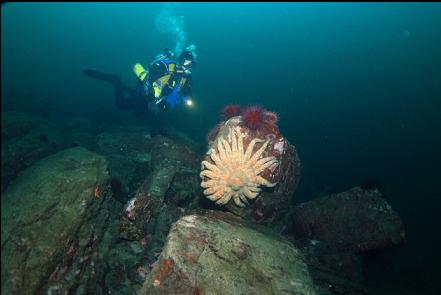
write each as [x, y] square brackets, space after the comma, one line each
[166, 83]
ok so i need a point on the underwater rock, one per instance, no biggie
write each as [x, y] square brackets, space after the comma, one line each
[52, 216]
[259, 168]
[133, 154]
[26, 138]
[29, 102]
[216, 253]
[78, 124]
[172, 183]
[181, 155]
[77, 132]
[78, 138]
[136, 215]
[168, 191]
[356, 220]
[183, 191]
[16, 124]
[129, 154]
[92, 254]
[179, 137]
[342, 272]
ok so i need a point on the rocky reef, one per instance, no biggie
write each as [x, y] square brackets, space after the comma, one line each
[101, 209]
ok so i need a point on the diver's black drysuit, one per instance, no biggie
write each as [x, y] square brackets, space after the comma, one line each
[126, 98]
[138, 99]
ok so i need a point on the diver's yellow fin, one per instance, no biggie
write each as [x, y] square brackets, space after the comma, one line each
[140, 72]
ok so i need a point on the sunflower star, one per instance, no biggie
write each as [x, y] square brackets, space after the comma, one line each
[235, 173]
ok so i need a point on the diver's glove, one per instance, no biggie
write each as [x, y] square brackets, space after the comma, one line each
[146, 88]
[158, 100]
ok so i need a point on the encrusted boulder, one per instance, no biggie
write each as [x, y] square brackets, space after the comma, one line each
[171, 183]
[77, 131]
[128, 151]
[250, 168]
[26, 138]
[352, 221]
[52, 217]
[217, 253]
[28, 102]
[166, 193]
[133, 153]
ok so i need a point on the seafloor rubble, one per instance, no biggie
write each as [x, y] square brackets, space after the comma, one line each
[101, 209]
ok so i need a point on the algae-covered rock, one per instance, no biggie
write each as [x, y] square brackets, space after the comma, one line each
[165, 194]
[216, 253]
[181, 155]
[354, 221]
[172, 182]
[42, 214]
[26, 138]
[15, 124]
[128, 152]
